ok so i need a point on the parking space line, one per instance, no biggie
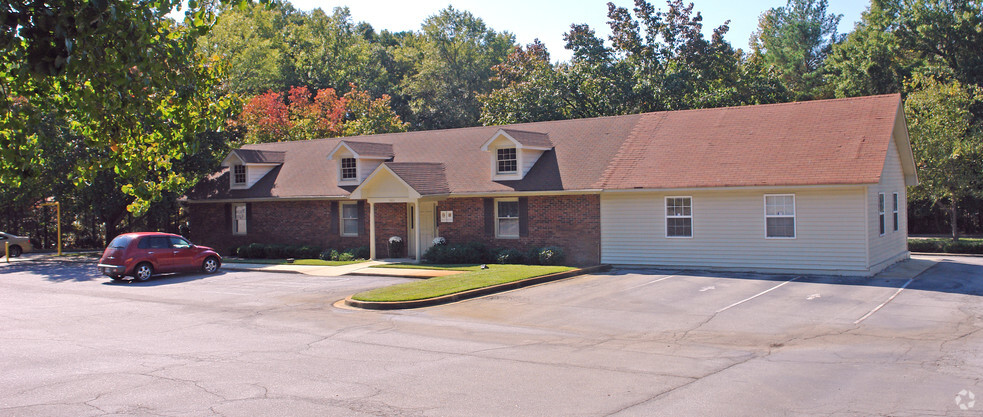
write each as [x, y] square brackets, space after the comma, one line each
[756, 295]
[650, 282]
[884, 303]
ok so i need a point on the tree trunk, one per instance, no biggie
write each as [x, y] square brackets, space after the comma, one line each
[953, 215]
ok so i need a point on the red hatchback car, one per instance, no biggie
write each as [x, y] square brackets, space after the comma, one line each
[144, 254]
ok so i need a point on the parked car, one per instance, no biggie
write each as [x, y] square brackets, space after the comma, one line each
[18, 244]
[141, 255]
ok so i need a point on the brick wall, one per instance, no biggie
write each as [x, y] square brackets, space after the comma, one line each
[390, 220]
[280, 222]
[572, 222]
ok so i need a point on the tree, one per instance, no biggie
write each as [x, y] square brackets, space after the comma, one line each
[948, 146]
[124, 76]
[871, 60]
[531, 91]
[794, 41]
[273, 117]
[454, 56]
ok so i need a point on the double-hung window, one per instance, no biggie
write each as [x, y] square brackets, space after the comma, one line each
[507, 161]
[239, 219]
[239, 174]
[349, 219]
[507, 218]
[679, 217]
[349, 169]
[894, 211]
[880, 212]
[780, 216]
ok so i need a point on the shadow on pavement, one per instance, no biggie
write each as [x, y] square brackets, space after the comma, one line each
[83, 272]
[947, 276]
[164, 279]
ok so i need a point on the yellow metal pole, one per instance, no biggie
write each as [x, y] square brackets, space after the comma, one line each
[58, 210]
[6, 249]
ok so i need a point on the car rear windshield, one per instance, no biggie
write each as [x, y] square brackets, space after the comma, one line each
[120, 242]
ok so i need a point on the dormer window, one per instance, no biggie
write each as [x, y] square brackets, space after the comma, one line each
[349, 169]
[239, 174]
[507, 162]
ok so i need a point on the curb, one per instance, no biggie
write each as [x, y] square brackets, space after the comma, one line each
[477, 292]
[968, 255]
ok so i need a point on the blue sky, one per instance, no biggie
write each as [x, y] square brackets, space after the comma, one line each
[549, 20]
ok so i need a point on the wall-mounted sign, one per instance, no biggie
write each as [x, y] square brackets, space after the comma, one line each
[447, 216]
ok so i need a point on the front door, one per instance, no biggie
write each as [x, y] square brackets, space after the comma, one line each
[410, 230]
[428, 226]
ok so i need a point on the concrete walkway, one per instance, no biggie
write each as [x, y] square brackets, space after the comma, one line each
[315, 270]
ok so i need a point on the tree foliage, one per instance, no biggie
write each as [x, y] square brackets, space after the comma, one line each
[298, 115]
[794, 41]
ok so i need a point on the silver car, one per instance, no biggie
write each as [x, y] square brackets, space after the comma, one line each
[18, 244]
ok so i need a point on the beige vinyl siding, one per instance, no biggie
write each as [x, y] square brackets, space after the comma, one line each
[366, 167]
[528, 159]
[892, 246]
[729, 231]
[254, 173]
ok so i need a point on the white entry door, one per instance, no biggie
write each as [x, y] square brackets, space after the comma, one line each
[428, 226]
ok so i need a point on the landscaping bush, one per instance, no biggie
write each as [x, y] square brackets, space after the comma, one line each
[252, 250]
[308, 252]
[345, 256]
[361, 252]
[509, 256]
[275, 252]
[945, 246]
[551, 255]
[291, 251]
[395, 247]
[468, 253]
[329, 255]
[532, 256]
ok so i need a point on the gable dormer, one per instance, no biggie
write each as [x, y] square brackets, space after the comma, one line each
[356, 160]
[514, 152]
[247, 166]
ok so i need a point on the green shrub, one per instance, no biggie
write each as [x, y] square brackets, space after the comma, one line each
[308, 252]
[551, 255]
[345, 256]
[252, 251]
[945, 246]
[468, 253]
[291, 251]
[234, 251]
[532, 256]
[509, 256]
[329, 255]
[275, 252]
[361, 252]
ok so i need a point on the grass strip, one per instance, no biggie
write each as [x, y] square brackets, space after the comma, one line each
[311, 262]
[441, 267]
[451, 284]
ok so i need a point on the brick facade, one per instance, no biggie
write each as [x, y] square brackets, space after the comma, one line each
[314, 222]
[572, 222]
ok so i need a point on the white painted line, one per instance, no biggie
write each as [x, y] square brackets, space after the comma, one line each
[884, 303]
[756, 295]
[650, 282]
[708, 288]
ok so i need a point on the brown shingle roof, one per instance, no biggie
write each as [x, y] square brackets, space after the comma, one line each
[532, 139]
[369, 149]
[426, 178]
[841, 141]
[251, 156]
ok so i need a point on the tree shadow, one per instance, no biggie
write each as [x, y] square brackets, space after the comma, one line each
[947, 276]
[84, 272]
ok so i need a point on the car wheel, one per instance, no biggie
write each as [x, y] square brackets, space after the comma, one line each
[143, 272]
[210, 265]
[15, 251]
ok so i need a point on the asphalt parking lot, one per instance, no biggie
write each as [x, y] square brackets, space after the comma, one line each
[628, 342]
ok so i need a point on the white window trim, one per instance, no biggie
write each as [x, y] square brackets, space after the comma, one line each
[894, 210]
[795, 222]
[665, 213]
[341, 218]
[358, 167]
[881, 218]
[517, 167]
[497, 228]
[245, 174]
[235, 223]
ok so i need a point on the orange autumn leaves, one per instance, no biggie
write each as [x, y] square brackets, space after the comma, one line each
[300, 114]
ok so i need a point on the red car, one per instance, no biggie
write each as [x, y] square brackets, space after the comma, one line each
[144, 254]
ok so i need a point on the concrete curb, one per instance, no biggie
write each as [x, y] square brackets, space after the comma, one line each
[968, 255]
[478, 292]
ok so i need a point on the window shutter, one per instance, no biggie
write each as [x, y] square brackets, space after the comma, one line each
[249, 217]
[228, 218]
[523, 216]
[334, 218]
[489, 217]
[361, 217]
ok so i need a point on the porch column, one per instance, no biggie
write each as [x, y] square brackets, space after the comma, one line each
[416, 230]
[371, 230]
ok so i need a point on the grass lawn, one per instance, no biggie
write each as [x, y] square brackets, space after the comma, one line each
[450, 284]
[946, 245]
[313, 262]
